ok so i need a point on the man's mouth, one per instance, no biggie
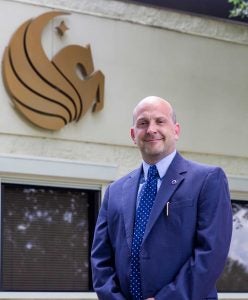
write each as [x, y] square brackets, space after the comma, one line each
[153, 140]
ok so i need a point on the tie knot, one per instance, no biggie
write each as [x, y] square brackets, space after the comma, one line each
[152, 172]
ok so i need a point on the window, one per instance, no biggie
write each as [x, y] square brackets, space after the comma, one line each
[220, 9]
[235, 275]
[46, 237]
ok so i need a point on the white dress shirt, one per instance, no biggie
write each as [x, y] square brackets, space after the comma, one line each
[162, 167]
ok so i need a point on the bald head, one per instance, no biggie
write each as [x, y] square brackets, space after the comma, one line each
[153, 100]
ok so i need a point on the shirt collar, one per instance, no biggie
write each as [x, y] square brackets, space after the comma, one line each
[161, 165]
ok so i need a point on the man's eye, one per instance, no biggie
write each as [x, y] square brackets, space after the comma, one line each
[142, 123]
[161, 121]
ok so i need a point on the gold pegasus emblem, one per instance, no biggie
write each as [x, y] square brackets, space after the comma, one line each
[48, 93]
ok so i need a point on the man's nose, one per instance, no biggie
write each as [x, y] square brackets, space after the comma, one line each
[152, 127]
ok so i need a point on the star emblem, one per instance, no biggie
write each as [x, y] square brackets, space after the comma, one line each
[61, 29]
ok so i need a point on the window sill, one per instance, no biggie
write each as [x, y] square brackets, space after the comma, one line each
[47, 295]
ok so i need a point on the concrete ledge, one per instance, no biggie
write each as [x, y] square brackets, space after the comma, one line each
[146, 15]
[47, 295]
[58, 168]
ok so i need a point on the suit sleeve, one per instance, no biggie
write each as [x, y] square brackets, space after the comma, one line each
[213, 235]
[102, 258]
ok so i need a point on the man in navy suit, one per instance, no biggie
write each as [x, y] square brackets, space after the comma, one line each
[187, 237]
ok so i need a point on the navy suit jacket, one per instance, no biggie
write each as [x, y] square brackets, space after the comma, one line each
[182, 253]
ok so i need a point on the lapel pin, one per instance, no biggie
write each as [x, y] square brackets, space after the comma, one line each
[174, 181]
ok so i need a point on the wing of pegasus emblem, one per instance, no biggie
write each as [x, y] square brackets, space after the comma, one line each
[50, 94]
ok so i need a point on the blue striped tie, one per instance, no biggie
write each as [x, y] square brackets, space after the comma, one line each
[147, 196]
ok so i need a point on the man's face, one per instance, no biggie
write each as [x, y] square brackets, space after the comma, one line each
[154, 130]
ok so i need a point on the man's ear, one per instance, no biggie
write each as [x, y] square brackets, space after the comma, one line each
[177, 131]
[132, 135]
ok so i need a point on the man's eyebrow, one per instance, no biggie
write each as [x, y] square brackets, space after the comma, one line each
[142, 119]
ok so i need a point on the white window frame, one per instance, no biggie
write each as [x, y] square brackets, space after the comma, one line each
[59, 173]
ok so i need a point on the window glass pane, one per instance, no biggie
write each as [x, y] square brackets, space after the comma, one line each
[235, 275]
[45, 238]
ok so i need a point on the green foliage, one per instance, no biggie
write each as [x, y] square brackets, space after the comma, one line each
[240, 8]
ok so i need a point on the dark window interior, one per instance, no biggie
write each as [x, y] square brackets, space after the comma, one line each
[46, 237]
[211, 8]
[235, 275]
[47, 234]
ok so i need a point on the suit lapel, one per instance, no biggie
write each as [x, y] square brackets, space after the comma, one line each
[171, 181]
[129, 196]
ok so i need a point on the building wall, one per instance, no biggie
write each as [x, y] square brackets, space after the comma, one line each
[199, 64]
